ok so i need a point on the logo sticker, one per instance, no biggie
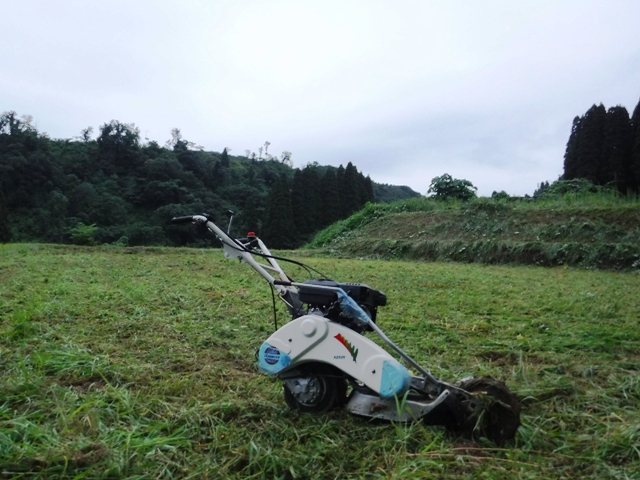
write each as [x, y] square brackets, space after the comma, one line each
[271, 355]
[348, 346]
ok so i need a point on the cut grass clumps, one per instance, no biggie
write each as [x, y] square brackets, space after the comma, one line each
[608, 256]
[140, 363]
[590, 231]
[373, 211]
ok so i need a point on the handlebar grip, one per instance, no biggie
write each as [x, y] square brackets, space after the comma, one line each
[280, 282]
[187, 219]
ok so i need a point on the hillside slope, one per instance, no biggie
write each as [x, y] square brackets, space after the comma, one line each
[118, 189]
[592, 232]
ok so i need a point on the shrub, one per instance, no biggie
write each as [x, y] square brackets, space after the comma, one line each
[83, 234]
[447, 188]
[501, 195]
[575, 186]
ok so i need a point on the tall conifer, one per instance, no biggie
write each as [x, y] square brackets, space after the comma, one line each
[635, 149]
[5, 231]
[279, 229]
[224, 158]
[313, 200]
[590, 143]
[571, 162]
[615, 163]
[249, 216]
[299, 202]
[330, 199]
[340, 183]
[366, 194]
[351, 189]
[306, 200]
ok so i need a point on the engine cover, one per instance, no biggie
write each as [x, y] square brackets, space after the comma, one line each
[363, 294]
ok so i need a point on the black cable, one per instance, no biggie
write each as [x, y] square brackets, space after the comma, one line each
[275, 317]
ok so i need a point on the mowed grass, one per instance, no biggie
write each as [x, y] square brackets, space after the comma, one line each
[140, 363]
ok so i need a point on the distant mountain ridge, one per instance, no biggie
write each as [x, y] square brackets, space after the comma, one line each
[386, 193]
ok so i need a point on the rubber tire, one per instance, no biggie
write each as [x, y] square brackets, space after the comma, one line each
[328, 392]
[501, 419]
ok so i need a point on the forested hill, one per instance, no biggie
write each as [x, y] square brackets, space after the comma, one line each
[115, 190]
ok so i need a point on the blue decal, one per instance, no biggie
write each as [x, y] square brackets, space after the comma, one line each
[271, 360]
[271, 355]
[395, 379]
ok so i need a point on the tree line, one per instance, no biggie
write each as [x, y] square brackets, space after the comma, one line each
[115, 189]
[604, 148]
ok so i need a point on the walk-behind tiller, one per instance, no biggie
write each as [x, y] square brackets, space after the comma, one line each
[325, 361]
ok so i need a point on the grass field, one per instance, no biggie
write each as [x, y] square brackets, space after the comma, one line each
[140, 363]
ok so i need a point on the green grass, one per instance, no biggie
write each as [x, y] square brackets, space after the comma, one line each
[600, 230]
[139, 363]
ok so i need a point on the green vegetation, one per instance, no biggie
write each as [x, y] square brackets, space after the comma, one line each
[139, 362]
[83, 234]
[129, 189]
[446, 187]
[561, 227]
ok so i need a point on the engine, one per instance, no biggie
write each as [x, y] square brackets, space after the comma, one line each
[325, 300]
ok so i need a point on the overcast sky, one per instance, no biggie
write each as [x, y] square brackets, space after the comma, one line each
[406, 90]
